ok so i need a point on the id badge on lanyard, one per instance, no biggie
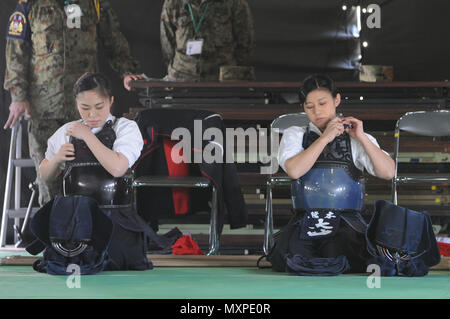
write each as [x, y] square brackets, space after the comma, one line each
[195, 46]
[72, 10]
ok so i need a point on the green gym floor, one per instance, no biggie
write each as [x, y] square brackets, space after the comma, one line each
[216, 283]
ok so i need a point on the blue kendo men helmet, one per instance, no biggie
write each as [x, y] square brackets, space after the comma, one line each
[328, 188]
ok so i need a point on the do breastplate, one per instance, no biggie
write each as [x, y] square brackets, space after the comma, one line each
[85, 175]
[334, 182]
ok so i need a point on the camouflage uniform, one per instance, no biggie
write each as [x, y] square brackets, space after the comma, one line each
[43, 64]
[227, 31]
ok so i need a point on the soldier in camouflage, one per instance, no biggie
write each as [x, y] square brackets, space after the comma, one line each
[198, 37]
[46, 53]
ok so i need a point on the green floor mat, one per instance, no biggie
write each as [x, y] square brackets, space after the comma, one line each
[216, 283]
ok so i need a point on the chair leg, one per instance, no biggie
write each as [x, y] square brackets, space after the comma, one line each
[268, 229]
[214, 225]
[396, 149]
[394, 191]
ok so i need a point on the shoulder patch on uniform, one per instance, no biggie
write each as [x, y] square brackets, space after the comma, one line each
[18, 26]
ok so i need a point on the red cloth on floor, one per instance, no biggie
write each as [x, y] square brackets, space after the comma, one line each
[444, 249]
[186, 246]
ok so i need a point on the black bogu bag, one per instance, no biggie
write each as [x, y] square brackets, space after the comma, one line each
[401, 240]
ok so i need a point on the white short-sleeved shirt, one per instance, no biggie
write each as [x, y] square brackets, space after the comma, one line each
[128, 141]
[291, 145]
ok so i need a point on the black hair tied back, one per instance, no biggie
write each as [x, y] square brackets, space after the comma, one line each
[93, 81]
[314, 82]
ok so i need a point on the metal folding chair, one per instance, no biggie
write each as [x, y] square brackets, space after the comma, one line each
[277, 127]
[190, 182]
[424, 123]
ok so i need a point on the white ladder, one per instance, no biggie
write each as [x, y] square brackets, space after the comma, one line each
[15, 165]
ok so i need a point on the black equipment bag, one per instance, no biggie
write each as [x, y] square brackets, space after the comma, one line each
[401, 240]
